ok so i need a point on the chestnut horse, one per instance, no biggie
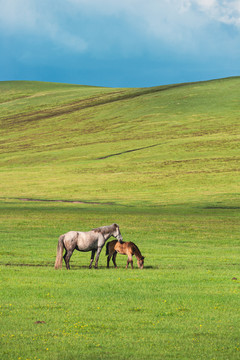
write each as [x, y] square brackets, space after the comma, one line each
[93, 240]
[124, 248]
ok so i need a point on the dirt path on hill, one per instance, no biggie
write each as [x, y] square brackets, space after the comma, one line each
[64, 201]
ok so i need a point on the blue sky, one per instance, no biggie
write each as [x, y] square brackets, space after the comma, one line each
[119, 43]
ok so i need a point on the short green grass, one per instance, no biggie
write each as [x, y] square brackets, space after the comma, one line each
[182, 305]
[161, 162]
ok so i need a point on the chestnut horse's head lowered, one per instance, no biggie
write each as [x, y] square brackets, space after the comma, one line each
[140, 262]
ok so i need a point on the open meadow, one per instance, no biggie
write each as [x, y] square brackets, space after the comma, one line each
[161, 162]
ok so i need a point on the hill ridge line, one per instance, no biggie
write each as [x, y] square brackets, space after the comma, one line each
[92, 102]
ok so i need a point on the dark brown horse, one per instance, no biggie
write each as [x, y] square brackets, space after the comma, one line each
[124, 248]
[93, 240]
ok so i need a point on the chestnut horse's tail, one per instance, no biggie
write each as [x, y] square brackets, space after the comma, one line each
[58, 262]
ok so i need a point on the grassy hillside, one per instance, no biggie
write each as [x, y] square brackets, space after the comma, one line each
[163, 163]
[169, 144]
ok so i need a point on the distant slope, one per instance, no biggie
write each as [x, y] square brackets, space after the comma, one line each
[167, 144]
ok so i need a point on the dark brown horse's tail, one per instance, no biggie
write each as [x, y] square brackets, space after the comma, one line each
[58, 262]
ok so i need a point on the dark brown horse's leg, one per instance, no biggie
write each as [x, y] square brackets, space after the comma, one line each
[108, 261]
[114, 259]
[92, 258]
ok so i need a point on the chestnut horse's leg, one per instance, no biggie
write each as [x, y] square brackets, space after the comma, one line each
[129, 260]
[92, 258]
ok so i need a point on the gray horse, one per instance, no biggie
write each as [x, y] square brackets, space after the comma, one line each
[93, 240]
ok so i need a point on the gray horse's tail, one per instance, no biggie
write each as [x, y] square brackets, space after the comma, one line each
[59, 257]
[107, 248]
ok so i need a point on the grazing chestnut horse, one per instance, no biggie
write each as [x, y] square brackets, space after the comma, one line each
[124, 248]
[93, 240]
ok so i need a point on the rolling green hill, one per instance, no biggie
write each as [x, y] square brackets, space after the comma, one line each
[167, 144]
[163, 163]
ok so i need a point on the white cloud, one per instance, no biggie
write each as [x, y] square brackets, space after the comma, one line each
[220, 10]
[32, 17]
[15, 14]
[171, 21]
[227, 12]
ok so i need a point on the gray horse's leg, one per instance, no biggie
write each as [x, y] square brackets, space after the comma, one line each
[97, 256]
[66, 257]
[92, 258]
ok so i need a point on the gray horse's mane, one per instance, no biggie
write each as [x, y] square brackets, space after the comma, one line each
[106, 229]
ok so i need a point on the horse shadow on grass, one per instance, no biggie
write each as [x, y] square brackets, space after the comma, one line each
[75, 267]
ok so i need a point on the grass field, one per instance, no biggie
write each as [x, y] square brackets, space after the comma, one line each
[161, 162]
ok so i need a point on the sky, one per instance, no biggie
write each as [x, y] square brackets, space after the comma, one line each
[119, 43]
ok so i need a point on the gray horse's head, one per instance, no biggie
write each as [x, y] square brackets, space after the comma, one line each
[116, 233]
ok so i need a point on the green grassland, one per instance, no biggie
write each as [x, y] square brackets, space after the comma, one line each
[163, 163]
